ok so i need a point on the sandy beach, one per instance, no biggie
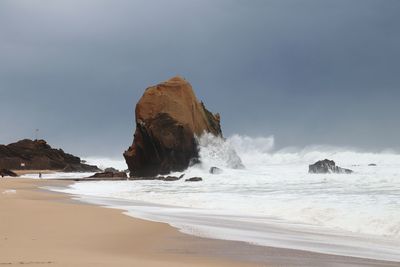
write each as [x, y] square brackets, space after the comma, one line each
[40, 228]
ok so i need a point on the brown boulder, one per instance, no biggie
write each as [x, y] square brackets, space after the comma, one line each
[168, 116]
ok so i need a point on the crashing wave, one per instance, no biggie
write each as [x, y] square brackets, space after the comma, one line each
[216, 151]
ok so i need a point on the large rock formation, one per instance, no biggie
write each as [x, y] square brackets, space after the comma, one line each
[38, 155]
[168, 116]
[327, 166]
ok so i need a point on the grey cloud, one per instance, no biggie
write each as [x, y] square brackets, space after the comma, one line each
[309, 72]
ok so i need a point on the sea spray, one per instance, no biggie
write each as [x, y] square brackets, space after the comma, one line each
[216, 151]
[275, 184]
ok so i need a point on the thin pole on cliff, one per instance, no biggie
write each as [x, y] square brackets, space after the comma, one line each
[36, 134]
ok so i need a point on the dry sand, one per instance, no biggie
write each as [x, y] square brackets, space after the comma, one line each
[41, 228]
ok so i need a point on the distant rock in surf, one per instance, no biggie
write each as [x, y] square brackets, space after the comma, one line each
[169, 178]
[194, 179]
[327, 166]
[372, 165]
[110, 169]
[160, 178]
[215, 170]
[38, 155]
[5, 172]
[168, 116]
[109, 174]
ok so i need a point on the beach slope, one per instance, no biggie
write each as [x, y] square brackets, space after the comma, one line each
[41, 228]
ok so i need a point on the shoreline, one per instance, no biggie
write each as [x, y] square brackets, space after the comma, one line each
[46, 228]
[165, 245]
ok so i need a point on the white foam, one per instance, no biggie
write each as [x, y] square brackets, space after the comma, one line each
[275, 185]
[9, 192]
[262, 231]
[215, 151]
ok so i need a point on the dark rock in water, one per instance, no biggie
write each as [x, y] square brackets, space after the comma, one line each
[110, 169]
[168, 116]
[38, 155]
[5, 172]
[372, 165]
[215, 170]
[194, 179]
[171, 178]
[109, 175]
[160, 178]
[327, 166]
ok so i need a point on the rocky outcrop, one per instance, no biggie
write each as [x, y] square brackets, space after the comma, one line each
[5, 172]
[38, 155]
[327, 166]
[109, 175]
[168, 116]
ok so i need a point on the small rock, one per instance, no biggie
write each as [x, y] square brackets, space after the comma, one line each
[109, 175]
[171, 178]
[215, 170]
[327, 166]
[110, 169]
[160, 178]
[372, 164]
[194, 179]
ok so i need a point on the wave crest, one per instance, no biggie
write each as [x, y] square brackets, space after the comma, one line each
[216, 151]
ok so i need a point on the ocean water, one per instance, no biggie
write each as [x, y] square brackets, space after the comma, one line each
[266, 197]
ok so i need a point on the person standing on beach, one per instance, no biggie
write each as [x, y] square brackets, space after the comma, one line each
[40, 175]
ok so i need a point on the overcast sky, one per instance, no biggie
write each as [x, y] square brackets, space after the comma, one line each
[307, 72]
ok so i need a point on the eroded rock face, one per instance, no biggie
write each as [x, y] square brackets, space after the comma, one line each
[168, 116]
[38, 155]
[327, 166]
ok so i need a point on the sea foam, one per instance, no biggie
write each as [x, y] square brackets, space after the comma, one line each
[259, 183]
